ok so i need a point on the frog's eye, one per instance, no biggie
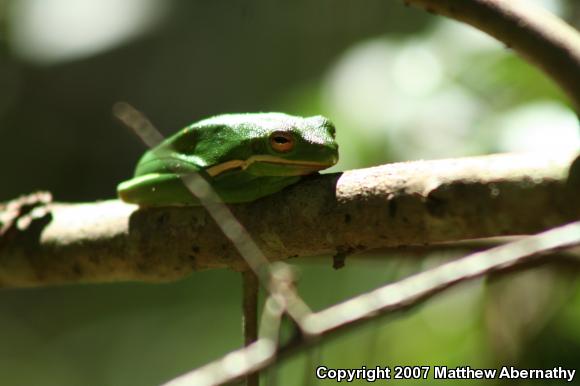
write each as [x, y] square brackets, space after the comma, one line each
[281, 141]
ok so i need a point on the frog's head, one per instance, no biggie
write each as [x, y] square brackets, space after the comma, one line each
[276, 144]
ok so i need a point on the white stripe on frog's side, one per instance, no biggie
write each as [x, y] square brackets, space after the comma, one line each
[308, 166]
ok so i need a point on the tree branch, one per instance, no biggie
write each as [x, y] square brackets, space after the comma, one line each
[402, 204]
[542, 38]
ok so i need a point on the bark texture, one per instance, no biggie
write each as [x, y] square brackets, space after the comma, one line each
[402, 204]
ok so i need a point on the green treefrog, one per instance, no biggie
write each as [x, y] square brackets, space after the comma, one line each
[243, 157]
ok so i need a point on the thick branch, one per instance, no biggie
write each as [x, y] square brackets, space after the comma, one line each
[412, 203]
[540, 37]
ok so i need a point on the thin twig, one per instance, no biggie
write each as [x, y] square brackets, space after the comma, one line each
[385, 300]
[251, 288]
[258, 271]
[426, 284]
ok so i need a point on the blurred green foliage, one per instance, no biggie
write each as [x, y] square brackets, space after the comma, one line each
[399, 84]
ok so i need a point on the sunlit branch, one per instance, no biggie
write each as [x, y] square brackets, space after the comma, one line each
[404, 204]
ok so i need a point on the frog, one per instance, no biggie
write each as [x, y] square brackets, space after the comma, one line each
[244, 157]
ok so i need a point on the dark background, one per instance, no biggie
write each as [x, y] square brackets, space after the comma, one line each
[399, 84]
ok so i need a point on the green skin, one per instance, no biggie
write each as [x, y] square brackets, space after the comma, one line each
[243, 156]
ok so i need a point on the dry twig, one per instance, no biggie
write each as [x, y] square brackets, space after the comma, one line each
[385, 300]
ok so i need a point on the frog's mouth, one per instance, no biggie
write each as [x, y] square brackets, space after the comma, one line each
[299, 167]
